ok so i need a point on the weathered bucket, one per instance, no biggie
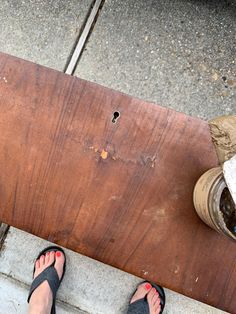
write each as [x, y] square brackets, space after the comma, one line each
[207, 198]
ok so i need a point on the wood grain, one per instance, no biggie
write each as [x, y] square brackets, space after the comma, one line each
[119, 192]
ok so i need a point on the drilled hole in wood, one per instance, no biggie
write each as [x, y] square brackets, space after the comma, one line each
[115, 117]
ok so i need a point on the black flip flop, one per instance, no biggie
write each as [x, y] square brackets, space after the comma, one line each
[49, 274]
[141, 306]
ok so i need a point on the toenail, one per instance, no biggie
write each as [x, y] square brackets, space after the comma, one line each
[48, 253]
[58, 254]
[147, 286]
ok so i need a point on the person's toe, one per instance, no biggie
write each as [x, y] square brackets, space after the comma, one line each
[59, 264]
[153, 301]
[47, 256]
[51, 257]
[151, 294]
[37, 264]
[156, 299]
[42, 260]
[141, 292]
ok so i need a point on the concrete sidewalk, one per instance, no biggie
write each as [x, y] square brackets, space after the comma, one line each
[179, 53]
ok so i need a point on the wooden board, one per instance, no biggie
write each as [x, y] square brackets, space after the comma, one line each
[118, 192]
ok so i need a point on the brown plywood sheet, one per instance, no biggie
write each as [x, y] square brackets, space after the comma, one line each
[118, 192]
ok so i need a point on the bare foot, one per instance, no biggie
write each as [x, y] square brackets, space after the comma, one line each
[41, 299]
[153, 299]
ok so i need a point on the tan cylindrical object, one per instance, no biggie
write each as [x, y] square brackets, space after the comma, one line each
[202, 190]
[206, 198]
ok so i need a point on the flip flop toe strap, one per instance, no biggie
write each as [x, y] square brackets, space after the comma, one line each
[50, 275]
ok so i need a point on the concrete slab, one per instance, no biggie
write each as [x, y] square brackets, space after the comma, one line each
[13, 295]
[41, 31]
[180, 54]
[88, 285]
